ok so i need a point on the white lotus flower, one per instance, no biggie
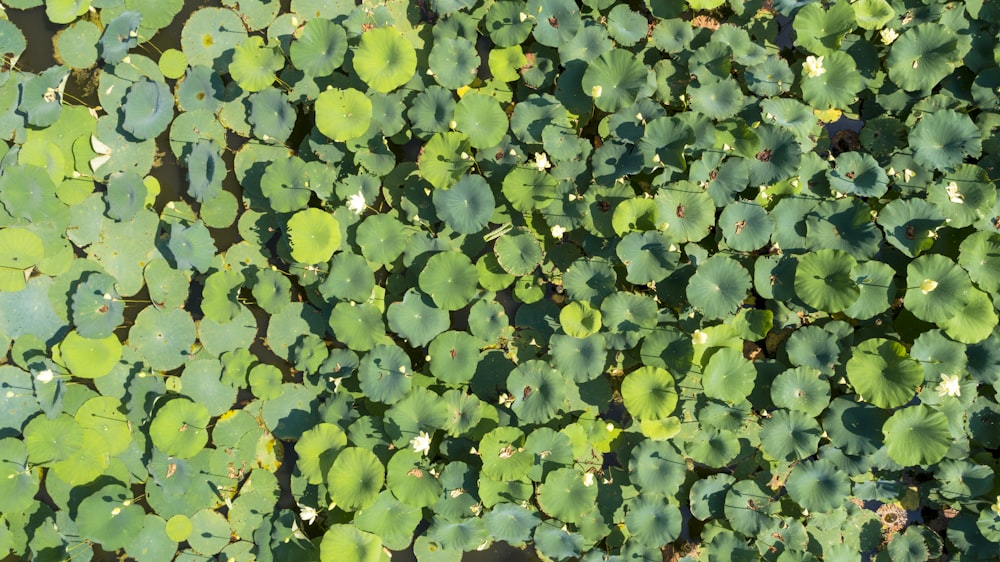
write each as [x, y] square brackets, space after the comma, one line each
[421, 443]
[103, 153]
[356, 203]
[557, 232]
[953, 195]
[595, 92]
[308, 514]
[45, 376]
[588, 479]
[699, 337]
[949, 386]
[928, 285]
[888, 35]
[814, 66]
[522, 16]
[542, 161]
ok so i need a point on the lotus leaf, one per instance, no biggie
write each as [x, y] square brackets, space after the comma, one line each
[504, 24]
[211, 36]
[120, 36]
[179, 428]
[467, 206]
[417, 318]
[657, 468]
[319, 48]
[649, 393]
[272, 115]
[90, 358]
[615, 80]
[271, 290]
[566, 495]
[148, 109]
[790, 435]
[21, 250]
[823, 280]
[163, 337]
[385, 373]
[314, 236]
[109, 517]
[539, 391]
[389, 519]
[923, 55]
[453, 62]
[343, 115]
[454, 356]
[883, 373]
[450, 279]
[937, 288]
[818, 486]
[385, 60]
[504, 458]
[441, 162]
[718, 286]
[652, 521]
[917, 435]
[943, 139]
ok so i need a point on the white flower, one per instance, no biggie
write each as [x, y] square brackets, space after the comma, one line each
[908, 174]
[814, 66]
[356, 203]
[542, 161]
[588, 479]
[699, 337]
[421, 443]
[888, 35]
[949, 386]
[928, 285]
[522, 16]
[557, 232]
[953, 195]
[45, 376]
[595, 92]
[308, 514]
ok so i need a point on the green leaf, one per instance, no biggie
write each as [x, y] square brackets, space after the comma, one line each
[314, 236]
[820, 30]
[883, 373]
[943, 139]
[818, 486]
[823, 280]
[450, 279]
[649, 393]
[615, 80]
[179, 428]
[467, 206]
[568, 494]
[320, 47]
[937, 289]
[345, 543]
[109, 517]
[790, 435]
[90, 358]
[343, 115]
[384, 59]
[254, 65]
[718, 286]
[355, 479]
[917, 435]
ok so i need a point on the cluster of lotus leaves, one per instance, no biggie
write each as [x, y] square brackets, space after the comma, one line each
[325, 280]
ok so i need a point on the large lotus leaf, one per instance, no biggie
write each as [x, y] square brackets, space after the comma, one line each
[385, 60]
[657, 467]
[211, 36]
[653, 521]
[319, 48]
[615, 80]
[649, 393]
[180, 428]
[468, 206]
[859, 174]
[416, 318]
[566, 495]
[790, 435]
[728, 376]
[109, 517]
[910, 225]
[482, 119]
[964, 195]
[818, 486]
[20, 250]
[924, 55]
[454, 356]
[854, 427]
[556, 21]
[715, 448]
[382, 238]
[917, 435]
[454, 61]
[317, 449]
[717, 99]
[503, 454]
[685, 212]
[718, 286]
[504, 24]
[823, 280]
[647, 256]
[148, 109]
[201, 88]
[345, 543]
[349, 278]
[837, 87]
[943, 139]
[580, 319]
[450, 279]
[343, 115]
[883, 373]
[285, 183]
[102, 414]
[190, 247]
[820, 30]
[841, 224]
[589, 279]
[582, 359]
[355, 479]
[120, 36]
[746, 226]
[163, 337]
[431, 111]
[814, 347]
[801, 389]
[271, 290]
[385, 374]
[511, 523]
[314, 236]
[518, 252]
[206, 171]
[391, 520]
[90, 358]
[937, 288]
[975, 322]
[97, 307]
[271, 115]
[442, 163]
[539, 391]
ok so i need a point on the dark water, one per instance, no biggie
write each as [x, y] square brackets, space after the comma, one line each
[39, 56]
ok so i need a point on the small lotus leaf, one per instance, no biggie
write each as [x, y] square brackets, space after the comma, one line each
[179, 428]
[90, 358]
[149, 108]
[314, 236]
[343, 115]
[818, 486]
[467, 206]
[450, 279]
[355, 478]
[319, 48]
[385, 60]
